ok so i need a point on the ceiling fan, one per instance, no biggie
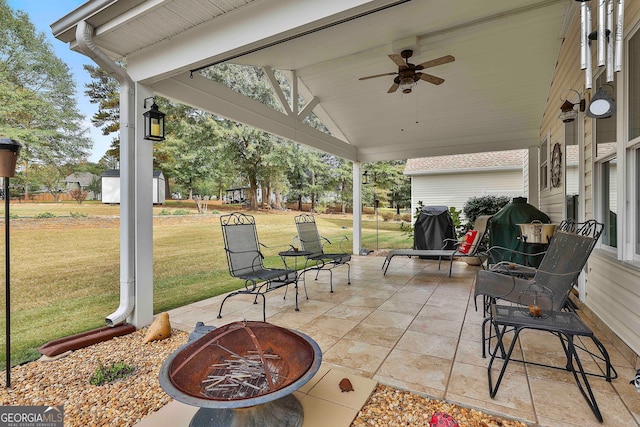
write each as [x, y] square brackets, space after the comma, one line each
[408, 74]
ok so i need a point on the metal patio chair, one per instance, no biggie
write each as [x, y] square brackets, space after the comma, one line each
[518, 303]
[245, 261]
[552, 281]
[318, 260]
[502, 255]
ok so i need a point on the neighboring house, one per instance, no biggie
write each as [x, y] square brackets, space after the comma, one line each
[80, 181]
[452, 180]
[111, 187]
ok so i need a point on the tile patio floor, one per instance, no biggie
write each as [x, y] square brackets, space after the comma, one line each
[415, 329]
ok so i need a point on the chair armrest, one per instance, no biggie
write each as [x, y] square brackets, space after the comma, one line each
[502, 250]
[456, 243]
[328, 242]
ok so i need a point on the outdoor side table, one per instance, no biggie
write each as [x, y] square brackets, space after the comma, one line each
[288, 254]
[566, 325]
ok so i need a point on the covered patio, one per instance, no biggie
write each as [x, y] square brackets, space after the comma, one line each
[490, 98]
[416, 329]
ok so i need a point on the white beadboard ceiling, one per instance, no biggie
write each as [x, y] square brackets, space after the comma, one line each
[492, 99]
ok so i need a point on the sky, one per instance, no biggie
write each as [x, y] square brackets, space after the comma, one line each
[42, 14]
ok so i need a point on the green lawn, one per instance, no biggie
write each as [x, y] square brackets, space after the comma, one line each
[65, 272]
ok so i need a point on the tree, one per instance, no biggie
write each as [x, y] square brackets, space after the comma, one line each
[79, 195]
[95, 186]
[104, 90]
[192, 148]
[51, 178]
[37, 96]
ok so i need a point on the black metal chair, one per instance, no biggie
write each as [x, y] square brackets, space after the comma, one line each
[245, 261]
[540, 303]
[501, 256]
[312, 242]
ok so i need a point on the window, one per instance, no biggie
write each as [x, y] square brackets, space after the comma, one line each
[637, 204]
[606, 164]
[609, 205]
[633, 96]
[544, 167]
[605, 128]
[634, 86]
[570, 161]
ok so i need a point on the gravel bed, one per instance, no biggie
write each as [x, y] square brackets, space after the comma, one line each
[66, 381]
[125, 402]
[390, 407]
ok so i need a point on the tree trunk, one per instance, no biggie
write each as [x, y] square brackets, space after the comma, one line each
[265, 196]
[253, 194]
[278, 201]
[300, 202]
[313, 192]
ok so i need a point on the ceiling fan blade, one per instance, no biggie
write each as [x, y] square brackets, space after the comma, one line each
[431, 79]
[377, 75]
[438, 61]
[393, 88]
[398, 59]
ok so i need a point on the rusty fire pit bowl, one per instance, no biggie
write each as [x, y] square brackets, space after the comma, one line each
[242, 373]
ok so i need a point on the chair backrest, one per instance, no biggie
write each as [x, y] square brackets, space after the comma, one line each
[308, 234]
[565, 258]
[481, 225]
[590, 227]
[241, 244]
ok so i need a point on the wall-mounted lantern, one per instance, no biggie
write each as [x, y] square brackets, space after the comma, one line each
[153, 122]
[568, 112]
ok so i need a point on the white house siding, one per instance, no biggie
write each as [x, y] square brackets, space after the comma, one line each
[455, 189]
[611, 286]
[613, 295]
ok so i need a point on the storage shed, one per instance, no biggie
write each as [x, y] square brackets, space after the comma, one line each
[111, 187]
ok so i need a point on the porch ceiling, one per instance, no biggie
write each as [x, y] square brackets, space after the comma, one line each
[493, 96]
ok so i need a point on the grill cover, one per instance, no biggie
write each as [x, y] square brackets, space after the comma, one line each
[434, 224]
[504, 231]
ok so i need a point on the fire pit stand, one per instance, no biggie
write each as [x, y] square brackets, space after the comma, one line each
[243, 374]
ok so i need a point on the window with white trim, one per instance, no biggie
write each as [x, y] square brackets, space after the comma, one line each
[605, 138]
[633, 143]
[543, 155]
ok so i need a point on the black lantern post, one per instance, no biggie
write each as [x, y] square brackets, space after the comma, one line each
[9, 151]
[153, 122]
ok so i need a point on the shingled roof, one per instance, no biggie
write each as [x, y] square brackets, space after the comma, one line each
[496, 160]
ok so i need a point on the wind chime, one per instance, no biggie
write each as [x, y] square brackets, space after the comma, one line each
[608, 39]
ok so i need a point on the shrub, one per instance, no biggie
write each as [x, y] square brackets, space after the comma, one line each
[77, 215]
[388, 216]
[43, 215]
[215, 212]
[164, 212]
[181, 212]
[483, 205]
[111, 373]
[78, 195]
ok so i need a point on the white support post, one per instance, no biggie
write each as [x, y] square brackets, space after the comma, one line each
[357, 208]
[143, 202]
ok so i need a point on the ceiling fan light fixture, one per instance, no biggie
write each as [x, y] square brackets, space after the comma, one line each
[406, 84]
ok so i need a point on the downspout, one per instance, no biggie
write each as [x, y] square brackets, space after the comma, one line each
[84, 38]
